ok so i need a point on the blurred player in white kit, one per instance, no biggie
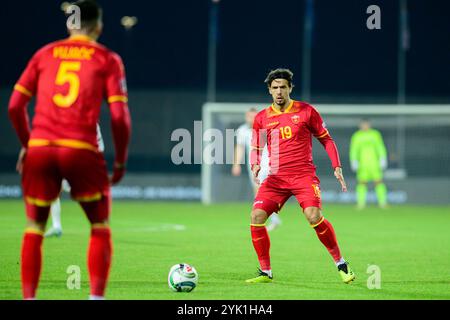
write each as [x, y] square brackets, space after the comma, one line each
[242, 148]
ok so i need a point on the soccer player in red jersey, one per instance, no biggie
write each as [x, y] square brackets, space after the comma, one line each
[70, 78]
[287, 127]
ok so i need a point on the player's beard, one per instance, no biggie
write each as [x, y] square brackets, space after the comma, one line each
[281, 101]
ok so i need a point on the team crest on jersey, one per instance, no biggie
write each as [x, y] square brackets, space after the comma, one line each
[295, 119]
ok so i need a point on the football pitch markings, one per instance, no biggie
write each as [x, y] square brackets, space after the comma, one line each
[408, 243]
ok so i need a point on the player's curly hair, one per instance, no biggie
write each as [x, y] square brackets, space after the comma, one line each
[279, 73]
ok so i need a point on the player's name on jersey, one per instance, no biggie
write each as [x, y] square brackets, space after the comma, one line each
[73, 52]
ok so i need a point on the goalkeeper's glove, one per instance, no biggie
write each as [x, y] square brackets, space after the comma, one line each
[383, 163]
[354, 165]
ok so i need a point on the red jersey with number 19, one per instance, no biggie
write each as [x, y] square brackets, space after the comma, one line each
[288, 136]
[70, 78]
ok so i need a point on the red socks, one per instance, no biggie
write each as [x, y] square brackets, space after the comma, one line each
[99, 259]
[326, 235]
[261, 243]
[31, 263]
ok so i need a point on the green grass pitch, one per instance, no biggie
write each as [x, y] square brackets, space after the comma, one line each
[410, 245]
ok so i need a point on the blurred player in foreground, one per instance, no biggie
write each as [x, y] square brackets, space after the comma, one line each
[287, 127]
[70, 78]
[242, 148]
[368, 159]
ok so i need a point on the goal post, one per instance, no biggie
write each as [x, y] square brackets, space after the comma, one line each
[417, 139]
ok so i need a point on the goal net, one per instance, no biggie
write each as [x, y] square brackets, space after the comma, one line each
[417, 139]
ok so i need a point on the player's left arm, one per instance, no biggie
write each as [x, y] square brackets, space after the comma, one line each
[117, 97]
[381, 150]
[319, 130]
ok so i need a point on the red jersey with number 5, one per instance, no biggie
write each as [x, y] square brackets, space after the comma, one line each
[288, 136]
[70, 78]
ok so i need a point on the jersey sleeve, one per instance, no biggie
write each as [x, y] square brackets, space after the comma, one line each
[259, 139]
[317, 125]
[117, 97]
[24, 89]
[27, 83]
[318, 129]
[116, 87]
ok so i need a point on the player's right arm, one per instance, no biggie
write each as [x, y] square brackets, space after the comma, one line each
[117, 97]
[23, 91]
[259, 140]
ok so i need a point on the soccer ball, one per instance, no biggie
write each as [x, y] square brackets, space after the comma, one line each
[182, 278]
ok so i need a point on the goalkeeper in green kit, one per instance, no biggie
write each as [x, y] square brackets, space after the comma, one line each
[368, 159]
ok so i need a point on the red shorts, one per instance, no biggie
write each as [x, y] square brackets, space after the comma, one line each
[276, 190]
[46, 166]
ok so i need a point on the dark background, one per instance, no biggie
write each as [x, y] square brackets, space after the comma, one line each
[166, 56]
